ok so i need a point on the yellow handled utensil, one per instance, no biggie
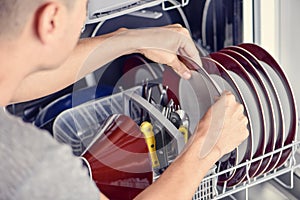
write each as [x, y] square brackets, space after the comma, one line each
[147, 130]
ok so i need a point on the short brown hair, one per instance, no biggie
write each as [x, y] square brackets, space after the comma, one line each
[14, 13]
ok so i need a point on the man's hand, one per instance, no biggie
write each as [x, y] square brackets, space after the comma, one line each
[225, 123]
[163, 44]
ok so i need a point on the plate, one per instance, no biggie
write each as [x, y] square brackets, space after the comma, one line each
[242, 148]
[196, 96]
[216, 69]
[120, 171]
[280, 138]
[199, 83]
[210, 86]
[256, 110]
[285, 92]
[137, 70]
[275, 99]
[265, 94]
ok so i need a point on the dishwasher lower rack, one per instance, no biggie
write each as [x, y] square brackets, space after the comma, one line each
[214, 191]
[207, 188]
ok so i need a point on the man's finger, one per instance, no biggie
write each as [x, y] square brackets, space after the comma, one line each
[180, 68]
[189, 49]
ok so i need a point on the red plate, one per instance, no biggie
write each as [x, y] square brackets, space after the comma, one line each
[119, 159]
[276, 102]
[264, 92]
[136, 71]
[215, 68]
[286, 95]
[172, 80]
[256, 110]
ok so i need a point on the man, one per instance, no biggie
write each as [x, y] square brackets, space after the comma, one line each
[39, 55]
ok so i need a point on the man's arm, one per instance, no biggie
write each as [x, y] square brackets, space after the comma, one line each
[158, 44]
[46, 82]
[103, 197]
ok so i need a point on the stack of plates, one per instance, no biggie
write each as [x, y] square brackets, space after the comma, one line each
[260, 84]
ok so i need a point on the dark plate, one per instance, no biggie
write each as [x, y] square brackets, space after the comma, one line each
[118, 158]
[264, 91]
[200, 82]
[214, 68]
[196, 96]
[256, 110]
[137, 70]
[286, 95]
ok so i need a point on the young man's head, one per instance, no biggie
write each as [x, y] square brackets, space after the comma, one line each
[13, 14]
[47, 30]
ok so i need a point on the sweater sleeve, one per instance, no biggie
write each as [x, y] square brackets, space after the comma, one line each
[34, 166]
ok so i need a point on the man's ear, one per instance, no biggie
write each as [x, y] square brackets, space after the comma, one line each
[49, 21]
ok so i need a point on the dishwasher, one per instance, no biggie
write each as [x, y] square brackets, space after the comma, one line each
[221, 30]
